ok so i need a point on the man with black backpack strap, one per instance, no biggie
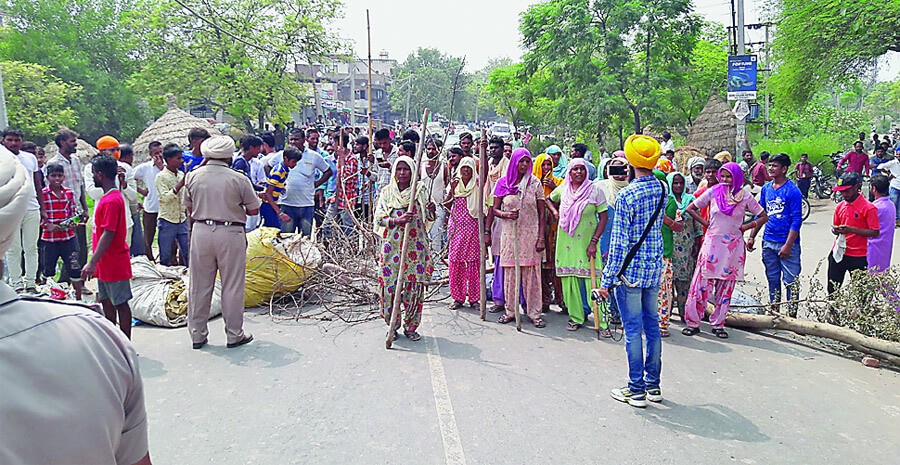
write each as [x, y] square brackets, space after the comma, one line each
[633, 270]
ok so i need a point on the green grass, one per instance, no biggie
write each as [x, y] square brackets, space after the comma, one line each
[819, 148]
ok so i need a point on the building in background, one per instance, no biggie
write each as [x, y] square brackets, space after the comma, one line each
[339, 91]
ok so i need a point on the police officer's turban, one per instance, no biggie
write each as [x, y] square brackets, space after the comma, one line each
[16, 188]
[218, 148]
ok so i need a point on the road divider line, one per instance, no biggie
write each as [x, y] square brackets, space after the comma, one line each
[453, 450]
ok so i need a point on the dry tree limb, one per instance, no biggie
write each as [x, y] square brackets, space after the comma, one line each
[886, 350]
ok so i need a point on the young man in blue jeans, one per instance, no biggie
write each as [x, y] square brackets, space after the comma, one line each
[783, 202]
[636, 291]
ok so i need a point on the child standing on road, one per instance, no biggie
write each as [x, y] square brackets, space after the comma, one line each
[111, 262]
[58, 235]
[783, 202]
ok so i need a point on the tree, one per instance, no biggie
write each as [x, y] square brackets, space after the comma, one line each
[216, 53]
[706, 71]
[610, 54]
[820, 42]
[426, 79]
[83, 41]
[38, 103]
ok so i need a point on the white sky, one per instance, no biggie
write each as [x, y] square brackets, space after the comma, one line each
[484, 29]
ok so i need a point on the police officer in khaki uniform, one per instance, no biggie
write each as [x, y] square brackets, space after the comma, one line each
[218, 200]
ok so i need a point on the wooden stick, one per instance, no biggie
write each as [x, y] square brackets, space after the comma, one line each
[595, 305]
[404, 247]
[518, 278]
[371, 123]
[482, 247]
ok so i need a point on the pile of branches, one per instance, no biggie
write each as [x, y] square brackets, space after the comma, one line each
[864, 313]
[345, 287]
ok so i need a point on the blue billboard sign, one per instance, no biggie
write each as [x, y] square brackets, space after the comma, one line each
[742, 77]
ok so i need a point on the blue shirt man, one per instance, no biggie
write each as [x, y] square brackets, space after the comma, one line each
[783, 202]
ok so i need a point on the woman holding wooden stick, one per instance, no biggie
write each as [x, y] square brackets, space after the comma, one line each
[582, 219]
[551, 286]
[391, 217]
[464, 253]
[519, 203]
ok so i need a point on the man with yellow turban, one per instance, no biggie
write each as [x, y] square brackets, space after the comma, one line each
[634, 268]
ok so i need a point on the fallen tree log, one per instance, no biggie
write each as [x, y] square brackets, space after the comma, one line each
[885, 350]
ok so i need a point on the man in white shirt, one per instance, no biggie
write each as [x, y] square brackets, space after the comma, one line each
[892, 170]
[666, 144]
[67, 143]
[145, 175]
[385, 156]
[124, 181]
[26, 241]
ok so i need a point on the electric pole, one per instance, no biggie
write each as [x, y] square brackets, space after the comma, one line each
[741, 133]
[4, 121]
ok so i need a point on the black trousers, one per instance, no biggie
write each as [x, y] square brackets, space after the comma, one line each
[837, 270]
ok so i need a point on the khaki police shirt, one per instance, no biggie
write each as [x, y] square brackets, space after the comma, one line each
[217, 192]
[70, 388]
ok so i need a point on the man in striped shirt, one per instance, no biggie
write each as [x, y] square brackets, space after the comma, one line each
[270, 210]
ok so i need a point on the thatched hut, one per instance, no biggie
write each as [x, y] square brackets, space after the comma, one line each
[714, 129]
[683, 154]
[173, 126]
[84, 150]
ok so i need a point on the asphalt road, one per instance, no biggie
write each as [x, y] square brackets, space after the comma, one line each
[473, 392]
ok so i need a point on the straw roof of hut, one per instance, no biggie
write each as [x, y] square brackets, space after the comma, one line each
[714, 129]
[173, 126]
[84, 150]
[683, 154]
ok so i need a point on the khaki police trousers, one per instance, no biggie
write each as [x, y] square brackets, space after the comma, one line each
[221, 249]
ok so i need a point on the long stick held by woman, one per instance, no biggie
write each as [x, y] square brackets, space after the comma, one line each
[519, 204]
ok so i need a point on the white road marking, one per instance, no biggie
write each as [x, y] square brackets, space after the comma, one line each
[453, 450]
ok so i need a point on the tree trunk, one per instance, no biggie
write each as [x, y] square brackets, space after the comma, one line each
[886, 350]
[637, 119]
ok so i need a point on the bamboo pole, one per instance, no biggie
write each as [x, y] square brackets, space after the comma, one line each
[594, 304]
[404, 247]
[518, 277]
[371, 122]
[482, 247]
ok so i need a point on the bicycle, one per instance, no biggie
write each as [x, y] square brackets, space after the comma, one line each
[609, 316]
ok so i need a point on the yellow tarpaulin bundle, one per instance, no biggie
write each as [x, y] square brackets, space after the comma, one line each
[270, 271]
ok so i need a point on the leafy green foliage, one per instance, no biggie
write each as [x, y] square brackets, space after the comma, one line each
[606, 55]
[215, 52]
[38, 102]
[83, 42]
[428, 75]
[820, 42]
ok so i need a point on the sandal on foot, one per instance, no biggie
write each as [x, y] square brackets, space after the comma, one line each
[720, 333]
[504, 319]
[689, 331]
[572, 326]
[455, 305]
[412, 335]
[539, 323]
[496, 309]
[605, 333]
[663, 332]
[395, 336]
[475, 304]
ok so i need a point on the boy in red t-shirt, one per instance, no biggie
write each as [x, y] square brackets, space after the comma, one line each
[111, 262]
[58, 235]
[855, 220]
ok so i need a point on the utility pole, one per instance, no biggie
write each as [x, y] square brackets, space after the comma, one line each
[4, 121]
[768, 73]
[353, 91]
[408, 95]
[741, 133]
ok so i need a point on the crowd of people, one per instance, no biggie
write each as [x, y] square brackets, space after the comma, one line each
[632, 226]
